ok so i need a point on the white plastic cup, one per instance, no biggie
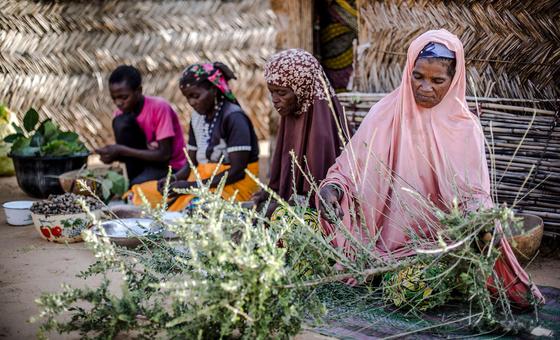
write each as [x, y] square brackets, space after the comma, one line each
[18, 212]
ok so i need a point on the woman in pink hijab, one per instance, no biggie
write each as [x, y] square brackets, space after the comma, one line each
[420, 139]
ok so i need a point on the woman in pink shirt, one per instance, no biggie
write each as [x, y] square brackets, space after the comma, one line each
[147, 131]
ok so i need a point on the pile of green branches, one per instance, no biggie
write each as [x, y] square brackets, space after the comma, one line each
[456, 268]
[232, 272]
[225, 276]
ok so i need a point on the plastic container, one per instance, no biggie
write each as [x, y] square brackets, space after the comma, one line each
[38, 176]
[18, 213]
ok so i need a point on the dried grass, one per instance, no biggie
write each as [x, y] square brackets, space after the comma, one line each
[57, 55]
[512, 47]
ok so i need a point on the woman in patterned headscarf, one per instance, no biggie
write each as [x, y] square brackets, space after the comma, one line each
[310, 124]
[219, 131]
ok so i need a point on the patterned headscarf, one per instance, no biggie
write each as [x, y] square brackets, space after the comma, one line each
[197, 73]
[301, 72]
[312, 133]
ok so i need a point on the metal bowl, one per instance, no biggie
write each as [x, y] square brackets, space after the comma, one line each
[174, 218]
[128, 231]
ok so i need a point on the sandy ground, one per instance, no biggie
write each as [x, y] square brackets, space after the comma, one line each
[30, 265]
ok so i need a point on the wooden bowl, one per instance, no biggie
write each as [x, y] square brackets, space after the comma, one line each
[526, 241]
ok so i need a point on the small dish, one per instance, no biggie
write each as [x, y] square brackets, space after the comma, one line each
[18, 213]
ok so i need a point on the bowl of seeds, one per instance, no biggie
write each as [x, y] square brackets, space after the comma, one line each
[61, 218]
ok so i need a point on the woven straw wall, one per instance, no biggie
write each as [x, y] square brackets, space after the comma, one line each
[512, 47]
[294, 23]
[57, 55]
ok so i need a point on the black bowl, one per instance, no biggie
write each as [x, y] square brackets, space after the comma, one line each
[38, 176]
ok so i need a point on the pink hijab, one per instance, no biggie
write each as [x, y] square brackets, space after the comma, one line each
[436, 153]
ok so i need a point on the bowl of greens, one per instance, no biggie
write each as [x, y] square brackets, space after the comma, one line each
[41, 152]
[105, 182]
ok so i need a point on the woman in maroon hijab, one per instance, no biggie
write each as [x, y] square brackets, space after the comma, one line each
[309, 128]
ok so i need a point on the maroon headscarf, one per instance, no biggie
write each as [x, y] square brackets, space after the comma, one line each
[312, 132]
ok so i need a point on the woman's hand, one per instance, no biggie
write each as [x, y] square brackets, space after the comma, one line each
[161, 183]
[487, 239]
[110, 153]
[330, 203]
[271, 208]
[259, 197]
[153, 145]
[349, 280]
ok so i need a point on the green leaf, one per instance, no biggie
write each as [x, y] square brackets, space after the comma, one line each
[119, 184]
[62, 148]
[78, 147]
[30, 119]
[124, 317]
[179, 320]
[29, 151]
[22, 147]
[106, 186]
[68, 136]
[57, 148]
[13, 137]
[37, 140]
[20, 144]
[17, 128]
[87, 174]
[3, 113]
[49, 130]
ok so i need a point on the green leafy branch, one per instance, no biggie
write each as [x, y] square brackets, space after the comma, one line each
[42, 139]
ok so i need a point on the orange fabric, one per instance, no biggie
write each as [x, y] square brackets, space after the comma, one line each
[401, 148]
[243, 189]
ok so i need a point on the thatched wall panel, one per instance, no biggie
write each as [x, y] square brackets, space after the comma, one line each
[57, 55]
[512, 47]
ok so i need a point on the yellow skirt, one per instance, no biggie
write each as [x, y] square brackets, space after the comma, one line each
[244, 188]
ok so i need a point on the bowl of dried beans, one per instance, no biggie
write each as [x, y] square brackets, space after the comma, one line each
[61, 218]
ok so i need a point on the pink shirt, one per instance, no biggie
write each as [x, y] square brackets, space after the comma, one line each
[159, 121]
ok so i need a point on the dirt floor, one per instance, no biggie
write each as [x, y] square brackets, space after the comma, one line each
[30, 265]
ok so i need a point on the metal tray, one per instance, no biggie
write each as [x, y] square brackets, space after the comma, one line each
[126, 231]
